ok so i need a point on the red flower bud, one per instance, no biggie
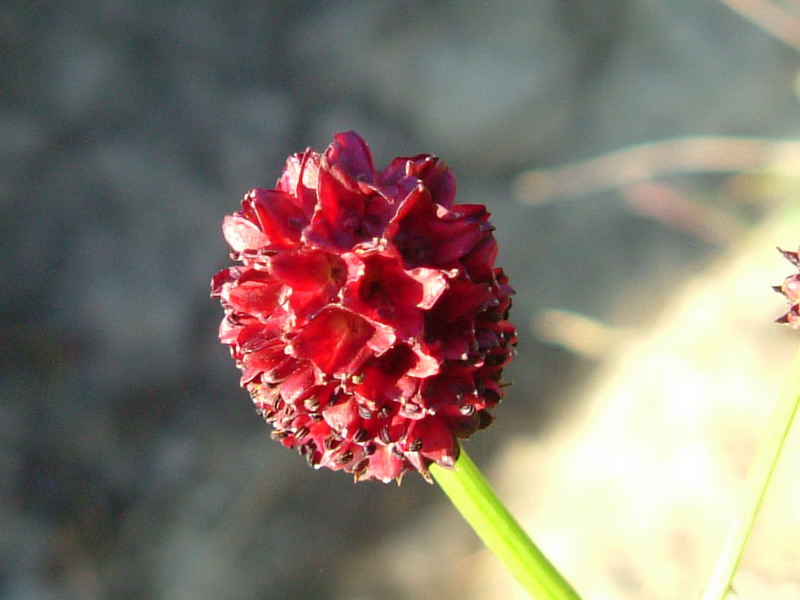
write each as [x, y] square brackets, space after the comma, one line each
[791, 289]
[367, 316]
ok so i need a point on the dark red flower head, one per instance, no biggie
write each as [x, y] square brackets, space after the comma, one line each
[367, 316]
[791, 289]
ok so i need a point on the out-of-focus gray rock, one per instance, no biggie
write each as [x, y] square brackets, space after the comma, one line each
[487, 85]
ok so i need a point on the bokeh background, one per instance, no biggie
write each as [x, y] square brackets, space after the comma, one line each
[132, 465]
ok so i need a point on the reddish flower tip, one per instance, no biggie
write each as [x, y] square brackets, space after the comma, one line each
[367, 316]
[791, 289]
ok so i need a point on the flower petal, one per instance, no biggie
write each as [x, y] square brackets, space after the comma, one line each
[338, 223]
[259, 295]
[380, 377]
[438, 179]
[381, 290]
[435, 440]
[242, 235]
[351, 153]
[342, 417]
[334, 340]
[385, 465]
[426, 235]
[281, 219]
[307, 271]
[299, 179]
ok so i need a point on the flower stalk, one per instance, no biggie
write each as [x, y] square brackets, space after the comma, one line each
[482, 509]
[758, 480]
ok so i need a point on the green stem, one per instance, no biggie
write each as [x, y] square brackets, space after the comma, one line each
[489, 518]
[758, 479]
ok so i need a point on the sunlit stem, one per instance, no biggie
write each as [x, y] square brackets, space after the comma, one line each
[758, 480]
[489, 518]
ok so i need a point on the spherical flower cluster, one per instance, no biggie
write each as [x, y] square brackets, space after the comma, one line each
[791, 289]
[366, 316]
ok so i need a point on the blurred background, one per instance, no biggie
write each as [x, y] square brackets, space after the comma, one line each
[623, 148]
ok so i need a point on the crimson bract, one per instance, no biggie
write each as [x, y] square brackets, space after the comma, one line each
[366, 316]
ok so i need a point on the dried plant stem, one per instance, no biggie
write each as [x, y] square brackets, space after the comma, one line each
[489, 518]
[648, 161]
[757, 483]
